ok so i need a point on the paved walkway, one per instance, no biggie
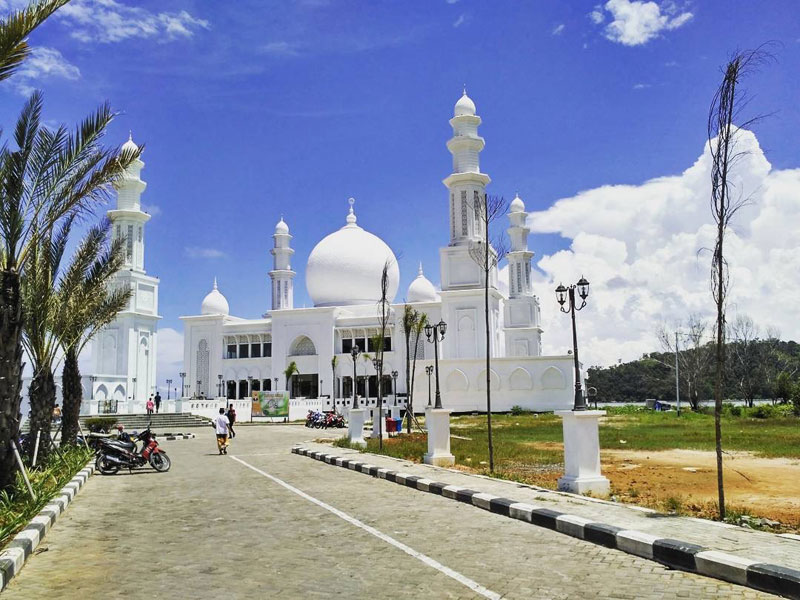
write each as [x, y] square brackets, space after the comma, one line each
[263, 522]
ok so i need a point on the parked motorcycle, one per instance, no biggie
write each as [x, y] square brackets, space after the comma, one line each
[115, 454]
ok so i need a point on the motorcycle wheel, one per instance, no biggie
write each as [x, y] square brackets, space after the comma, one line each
[160, 462]
[104, 466]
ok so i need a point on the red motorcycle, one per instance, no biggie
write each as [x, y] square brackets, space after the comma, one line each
[115, 454]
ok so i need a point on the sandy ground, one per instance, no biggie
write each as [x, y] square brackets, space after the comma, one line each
[766, 487]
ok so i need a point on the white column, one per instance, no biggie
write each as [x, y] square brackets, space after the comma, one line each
[355, 426]
[582, 453]
[437, 420]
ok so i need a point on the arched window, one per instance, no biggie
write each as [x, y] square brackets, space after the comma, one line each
[302, 346]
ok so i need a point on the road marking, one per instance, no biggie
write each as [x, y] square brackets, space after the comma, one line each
[462, 579]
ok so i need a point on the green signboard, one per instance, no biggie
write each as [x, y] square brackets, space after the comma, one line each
[270, 404]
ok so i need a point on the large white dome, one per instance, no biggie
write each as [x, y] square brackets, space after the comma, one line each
[345, 267]
[214, 303]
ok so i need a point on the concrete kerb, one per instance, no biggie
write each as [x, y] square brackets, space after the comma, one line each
[14, 555]
[170, 437]
[676, 554]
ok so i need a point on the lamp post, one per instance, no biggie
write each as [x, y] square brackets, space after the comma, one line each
[434, 333]
[169, 385]
[566, 295]
[250, 385]
[133, 379]
[182, 375]
[429, 370]
[394, 385]
[354, 353]
[93, 378]
[219, 386]
[377, 363]
[197, 389]
[275, 379]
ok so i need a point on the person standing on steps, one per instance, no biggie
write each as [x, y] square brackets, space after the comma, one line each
[149, 406]
[158, 401]
[231, 414]
[223, 427]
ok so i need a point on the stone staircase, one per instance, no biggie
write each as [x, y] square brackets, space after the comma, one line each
[167, 422]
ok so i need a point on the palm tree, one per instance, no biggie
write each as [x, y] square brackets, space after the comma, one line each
[410, 317]
[14, 30]
[45, 177]
[289, 371]
[87, 303]
[419, 327]
[39, 299]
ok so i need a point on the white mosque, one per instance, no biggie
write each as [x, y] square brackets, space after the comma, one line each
[228, 356]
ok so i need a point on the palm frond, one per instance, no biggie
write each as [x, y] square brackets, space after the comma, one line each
[14, 30]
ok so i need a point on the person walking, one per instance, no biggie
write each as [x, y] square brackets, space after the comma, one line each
[231, 414]
[149, 406]
[223, 427]
[158, 401]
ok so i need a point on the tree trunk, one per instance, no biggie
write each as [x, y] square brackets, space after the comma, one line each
[42, 395]
[409, 399]
[72, 393]
[10, 373]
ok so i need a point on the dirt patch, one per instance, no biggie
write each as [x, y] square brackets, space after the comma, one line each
[764, 487]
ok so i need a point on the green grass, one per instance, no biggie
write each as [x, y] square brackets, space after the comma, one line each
[624, 428]
[17, 507]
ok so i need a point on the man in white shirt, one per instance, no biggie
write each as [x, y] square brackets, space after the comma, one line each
[223, 427]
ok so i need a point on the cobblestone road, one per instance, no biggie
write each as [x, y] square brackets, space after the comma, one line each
[212, 527]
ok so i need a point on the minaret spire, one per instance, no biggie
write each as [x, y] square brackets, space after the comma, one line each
[282, 275]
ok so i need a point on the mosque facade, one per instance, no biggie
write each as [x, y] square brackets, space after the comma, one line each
[233, 357]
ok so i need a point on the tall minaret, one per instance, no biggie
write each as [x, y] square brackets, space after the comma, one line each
[523, 332]
[466, 183]
[124, 352]
[282, 275]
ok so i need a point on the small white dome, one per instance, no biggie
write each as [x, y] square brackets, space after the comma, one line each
[464, 106]
[281, 227]
[421, 289]
[517, 205]
[130, 145]
[214, 303]
[345, 268]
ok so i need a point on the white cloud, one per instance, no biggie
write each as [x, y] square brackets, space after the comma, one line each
[108, 21]
[641, 86]
[640, 247]
[558, 29]
[281, 48]
[462, 18]
[636, 22]
[198, 252]
[169, 361]
[43, 63]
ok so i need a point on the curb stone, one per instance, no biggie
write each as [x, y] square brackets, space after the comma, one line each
[676, 554]
[14, 555]
[177, 436]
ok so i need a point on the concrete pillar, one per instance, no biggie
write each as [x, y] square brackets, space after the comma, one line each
[382, 422]
[355, 426]
[437, 420]
[582, 453]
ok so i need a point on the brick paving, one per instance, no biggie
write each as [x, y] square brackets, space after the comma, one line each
[213, 528]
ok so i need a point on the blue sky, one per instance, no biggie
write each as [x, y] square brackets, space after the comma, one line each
[253, 109]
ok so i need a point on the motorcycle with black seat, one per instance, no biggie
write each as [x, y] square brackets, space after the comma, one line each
[115, 454]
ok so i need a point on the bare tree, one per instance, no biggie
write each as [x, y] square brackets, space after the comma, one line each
[487, 255]
[419, 327]
[693, 354]
[723, 142]
[747, 354]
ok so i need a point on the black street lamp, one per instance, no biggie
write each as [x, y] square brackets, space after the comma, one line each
[429, 370]
[354, 353]
[197, 389]
[93, 378]
[182, 375]
[434, 333]
[133, 379]
[394, 386]
[169, 383]
[377, 363]
[219, 386]
[250, 385]
[563, 295]
[275, 379]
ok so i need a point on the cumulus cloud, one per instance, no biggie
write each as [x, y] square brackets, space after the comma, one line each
[642, 247]
[43, 63]
[198, 252]
[109, 21]
[635, 22]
